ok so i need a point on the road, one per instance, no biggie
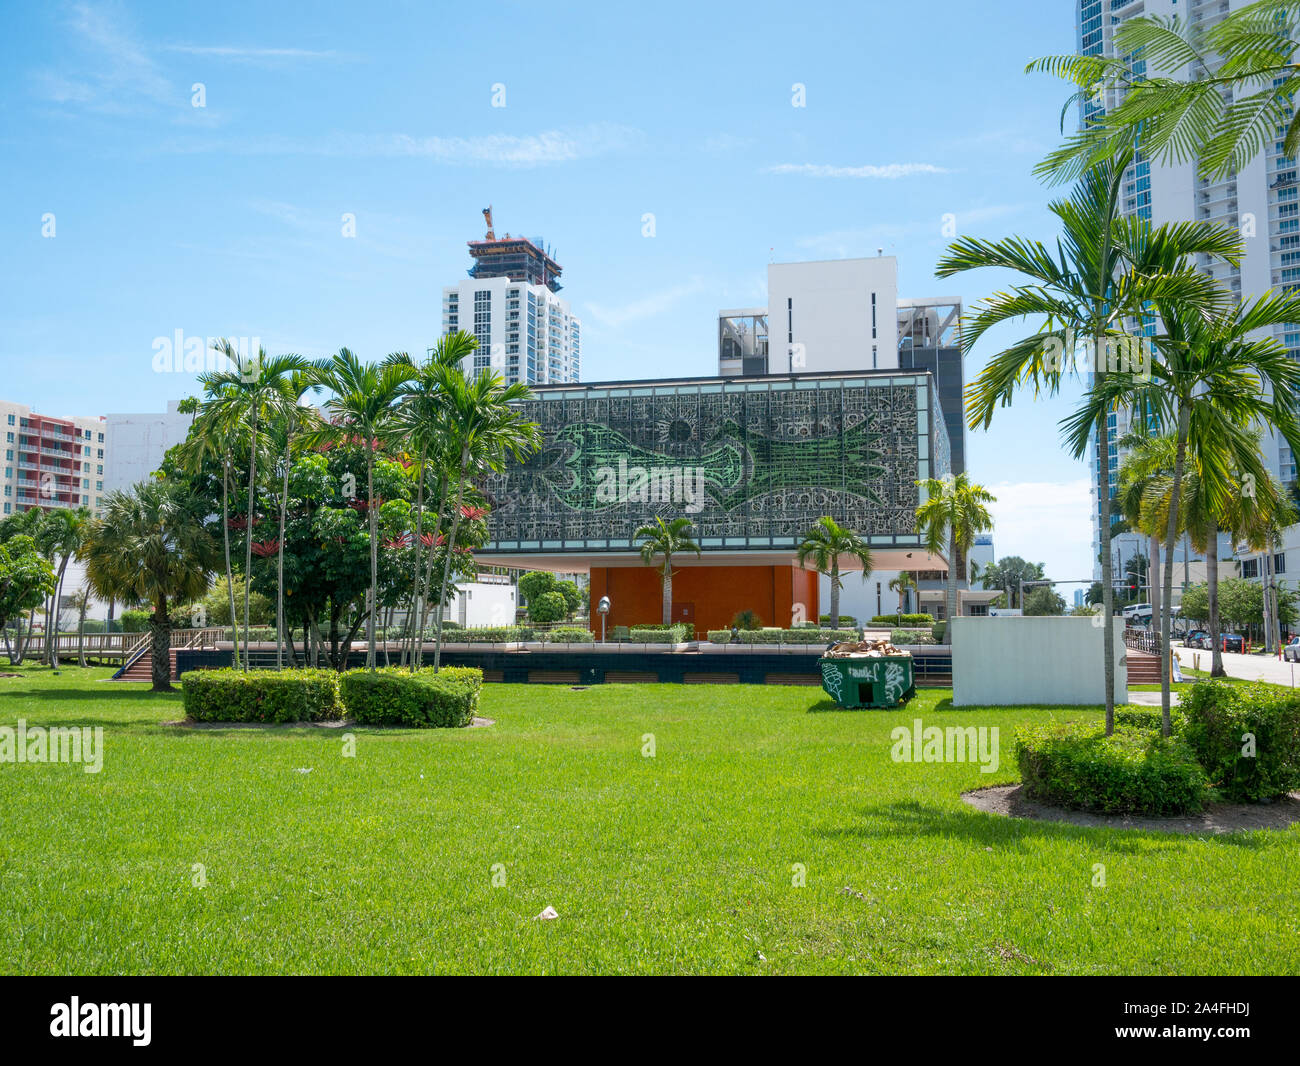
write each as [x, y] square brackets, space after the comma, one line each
[1249, 667]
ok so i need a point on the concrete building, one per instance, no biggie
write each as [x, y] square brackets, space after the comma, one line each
[52, 462]
[1260, 201]
[139, 443]
[526, 332]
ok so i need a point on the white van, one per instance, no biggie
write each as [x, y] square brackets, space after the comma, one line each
[1136, 609]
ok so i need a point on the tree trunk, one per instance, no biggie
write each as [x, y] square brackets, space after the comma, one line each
[374, 556]
[1107, 570]
[52, 638]
[1212, 590]
[81, 630]
[668, 590]
[451, 547]
[279, 565]
[952, 586]
[160, 647]
[1153, 567]
[248, 531]
[1171, 536]
[444, 487]
[835, 593]
[415, 551]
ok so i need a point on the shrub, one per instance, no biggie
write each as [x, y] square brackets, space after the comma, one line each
[939, 629]
[688, 626]
[650, 635]
[261, 695]
[912, 636]
[1218, 718]
[905, 620]
[495, 635]
[1130, 772]
[423, 699]
[534, 583]
[133, 621]
[847, 621]
[747, 620]
[569, 635]
[1150, 720]
[795, 636]
[620, 633]
[719, 636]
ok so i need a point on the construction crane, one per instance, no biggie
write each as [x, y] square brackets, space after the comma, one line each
[487, 214]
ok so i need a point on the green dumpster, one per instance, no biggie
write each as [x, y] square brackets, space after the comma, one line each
[868, 681]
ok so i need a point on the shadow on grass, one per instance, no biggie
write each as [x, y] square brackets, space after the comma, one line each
[909, 818]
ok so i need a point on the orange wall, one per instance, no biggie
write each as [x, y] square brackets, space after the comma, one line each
[717, 593]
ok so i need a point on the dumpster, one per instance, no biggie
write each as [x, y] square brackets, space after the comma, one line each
[868, 680]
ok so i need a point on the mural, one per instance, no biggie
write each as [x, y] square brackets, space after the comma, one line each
[754, 461]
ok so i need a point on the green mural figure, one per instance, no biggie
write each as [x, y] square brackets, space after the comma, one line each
[850, 462]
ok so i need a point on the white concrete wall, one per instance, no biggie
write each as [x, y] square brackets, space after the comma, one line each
[826, 307]
[483, 604]
[138, 442]
[1033, 660]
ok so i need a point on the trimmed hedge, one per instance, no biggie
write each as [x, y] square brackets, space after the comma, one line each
[1222, 719]
[688, 626]
[906, 620]
[847, 621]
[261, 695]
[1132, 771]
[423, 699]
[657, 634]
[1150, 720]
[719, 636]
[568, 635]
[792, 636]
[493, 635]
[911, 636]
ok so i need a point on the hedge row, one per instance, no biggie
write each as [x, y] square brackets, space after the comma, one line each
[903, 620]
[657, 634]
[912, 636]
[261, 695]
[802, 635]
[390, 696]
[1132, 771]
[688, 626]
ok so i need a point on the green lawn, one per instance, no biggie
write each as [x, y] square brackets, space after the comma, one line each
[679, 863]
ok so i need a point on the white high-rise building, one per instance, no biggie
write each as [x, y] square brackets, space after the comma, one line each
[1260, 201]
[140, 441]
[526, 332]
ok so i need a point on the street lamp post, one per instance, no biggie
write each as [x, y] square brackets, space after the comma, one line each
[602, 608]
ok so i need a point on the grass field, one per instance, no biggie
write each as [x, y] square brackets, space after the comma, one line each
[680, 862]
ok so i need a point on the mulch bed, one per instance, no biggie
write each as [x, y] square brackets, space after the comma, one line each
[1216, 818]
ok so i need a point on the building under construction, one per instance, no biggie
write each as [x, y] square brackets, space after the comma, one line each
[516, 258]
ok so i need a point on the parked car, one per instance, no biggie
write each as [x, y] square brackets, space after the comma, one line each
[1137, 609]
[1197, 638]
[1291, 653]
[1234, 642]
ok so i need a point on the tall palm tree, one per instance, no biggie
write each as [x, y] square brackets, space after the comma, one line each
[62, 536]
[250, 390]
[422, 417]
[953, 511]
[1101, 275]
[486, 428]
[1241, 78]
[664, 540]
[1212, 375]
[362, 408]
[150, 544]
[1148, 462]
[903, 584]
[825, 544]
[291, 419]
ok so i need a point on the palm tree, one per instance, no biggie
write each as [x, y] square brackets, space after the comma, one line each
[361, 408]
[291, 419]
[954, 505]
[422, 419]
[666, 539]
[250, 391]
[825, 544]
[1148, 462]
[903, 585]
[1102, 274]
[1243, 76]
[486, 428]
[62, 535]
[150, 544]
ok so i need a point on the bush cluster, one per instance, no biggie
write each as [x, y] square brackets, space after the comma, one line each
[906, 620]
[1149, 719]
[847, 621]
[657, 634]
[1246, 736]
[494, 635]
[1133, 771]
[261, 695]
[568, 635]
[688, 626]
[799, 635]
[423, 699]
[912, 636]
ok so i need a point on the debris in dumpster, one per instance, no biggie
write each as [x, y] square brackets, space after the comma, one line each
[857, 649]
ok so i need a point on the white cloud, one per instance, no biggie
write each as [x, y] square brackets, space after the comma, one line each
[654, 303]
[888, 171]
[249, 54]
[1045, 521]
[118, 74]
[506, 150]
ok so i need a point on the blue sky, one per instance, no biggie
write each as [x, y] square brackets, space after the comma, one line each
[226, 220]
